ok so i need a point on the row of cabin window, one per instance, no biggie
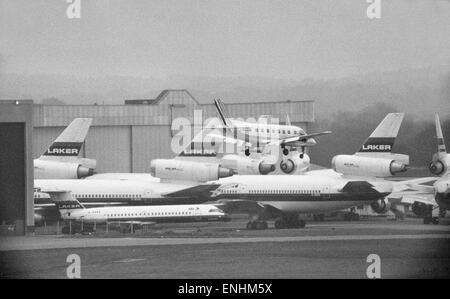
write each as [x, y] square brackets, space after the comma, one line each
[107, 196]
[280, 191]
[150, 214]
[274, 131]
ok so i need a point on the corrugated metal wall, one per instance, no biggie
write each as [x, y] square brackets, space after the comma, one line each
[150, 142]
[111, 147]
[125, 138]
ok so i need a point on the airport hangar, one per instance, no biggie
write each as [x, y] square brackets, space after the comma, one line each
[122, 138]
[125, 138]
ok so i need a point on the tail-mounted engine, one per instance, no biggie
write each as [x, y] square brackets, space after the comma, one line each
[44, 169]
[440, 164]
[366, 166]
[188, 170]
[295, 163]
[246, 165]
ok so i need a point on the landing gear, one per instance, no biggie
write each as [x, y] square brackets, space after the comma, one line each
[429, 218]
[289, 221]
[247, 152]
[257, 224]
[351, 216]
[285, 151]
[302, 154]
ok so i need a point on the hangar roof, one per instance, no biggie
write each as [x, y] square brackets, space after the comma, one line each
[169, 105]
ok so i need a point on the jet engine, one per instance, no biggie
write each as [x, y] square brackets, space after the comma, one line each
[439, 165]
[380, 206]
[294, 163]
[420, 209]
[246, 165]
[188, 170]
[60, 170]
[366, 166]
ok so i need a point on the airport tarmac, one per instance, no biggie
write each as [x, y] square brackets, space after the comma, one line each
[407, 249]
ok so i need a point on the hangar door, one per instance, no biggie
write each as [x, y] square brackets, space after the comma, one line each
[12, 172]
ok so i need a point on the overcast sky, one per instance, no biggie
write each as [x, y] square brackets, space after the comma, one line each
[275, 39]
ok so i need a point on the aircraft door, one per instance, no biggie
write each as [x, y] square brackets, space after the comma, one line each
[147, 196]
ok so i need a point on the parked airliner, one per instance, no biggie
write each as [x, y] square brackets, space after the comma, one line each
[436, 195]
[134, 216]
[61, 159]
[285, 197]
[95, 193]
[260, 135]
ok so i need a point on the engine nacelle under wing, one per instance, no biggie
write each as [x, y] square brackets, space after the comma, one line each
[420, 209]
[246, 165]
[380, 206]
[294, 163]
[366, 166]
[174, 169]
[45, 169]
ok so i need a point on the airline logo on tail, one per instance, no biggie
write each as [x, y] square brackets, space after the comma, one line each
[383, 137]
[378, 144]
[70, 141]
[70, 205]
[64, 149]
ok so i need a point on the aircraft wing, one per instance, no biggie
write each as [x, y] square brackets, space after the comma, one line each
[415, 185]
[223, 139]
[297, 138]
[196, 191]
[234, 206]
[410, 198]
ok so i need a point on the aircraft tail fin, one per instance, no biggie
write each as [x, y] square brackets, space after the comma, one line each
[221, 112]
[439, 135]
[383, 137]
[68, 144]
[64, 200]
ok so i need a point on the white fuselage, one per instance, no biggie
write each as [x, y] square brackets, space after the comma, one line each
[110, 192]
[301, 193]
[170, 213]
[256, 132]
